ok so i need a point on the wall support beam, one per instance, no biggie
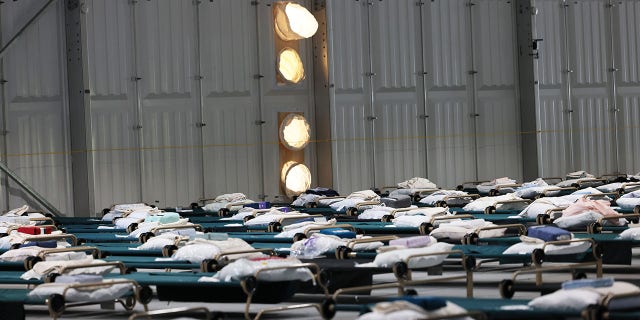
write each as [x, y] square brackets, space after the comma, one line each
[527, 54]
[79, 107]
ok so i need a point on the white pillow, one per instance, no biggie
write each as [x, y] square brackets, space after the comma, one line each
[631, 234]
[578, 221]
[388, 258]
[527, 248]
[201, 249]
[573, 300]
[244, 267]
[43, 291]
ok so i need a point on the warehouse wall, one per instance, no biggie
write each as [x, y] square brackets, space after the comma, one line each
[184, 100]
[588, 90]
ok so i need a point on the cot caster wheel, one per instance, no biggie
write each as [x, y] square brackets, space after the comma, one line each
[209, 265]
[351, 211]
[489, 210]
[537, 257]
[223, 212]
[129, 303]
[105, 211]
[51, 277]
[470, 238]
[274, 226]
[146, 236]
[410, 292]
[132, 227]
[130, 270]
[469, 263]
[441, 203]
[145, 294]
[194, 206]
[506, 288]
[169, 250]
[594, 227]
[401, 271]
[459, 187]
[425, 228]
[342, 252]
[597, 251]
[249, 285]
[299, 236]
[593, 312]
[543, 219]
[56, 304]
[387, 218]
[30, 261]
[328, 308]
[578, 275]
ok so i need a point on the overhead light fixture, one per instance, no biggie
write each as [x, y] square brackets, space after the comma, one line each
[296, 178]
[293, 21]
[294, 132]
[290, 65]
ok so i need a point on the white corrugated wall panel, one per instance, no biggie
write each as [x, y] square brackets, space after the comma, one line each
[37, 141]
[592, 118]
[350, 103]
[450, 132]
[451, 145]
[629, 132]
[116, 162]
[172, 161]
[626, 31]
[627, 17]
[397, 85]
[351, 151]
[594, 148]
[493, 32]
[588, 45]
[553, 138]
[498, 137]
[449, 30]
[548, 27]
[231, 138]
[498, 126]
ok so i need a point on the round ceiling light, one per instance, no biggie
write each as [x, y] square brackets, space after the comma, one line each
[294, 132]
[293, 21]
[296, 178]
[290, 65]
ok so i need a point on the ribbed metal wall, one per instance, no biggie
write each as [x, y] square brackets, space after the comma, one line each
[447, 44]
[166, 64]
[589, 50]
[498, 123]
[554, 155]
[349, 63]
[37, 134]
[399, 129]
[230, 98]
[626, 30]
[113, 99]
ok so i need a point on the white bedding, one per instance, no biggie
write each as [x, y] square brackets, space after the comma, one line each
[629, 200]
[111, 292]
[200, 249]
[247, 267]
[318, 244]
[388, 258]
